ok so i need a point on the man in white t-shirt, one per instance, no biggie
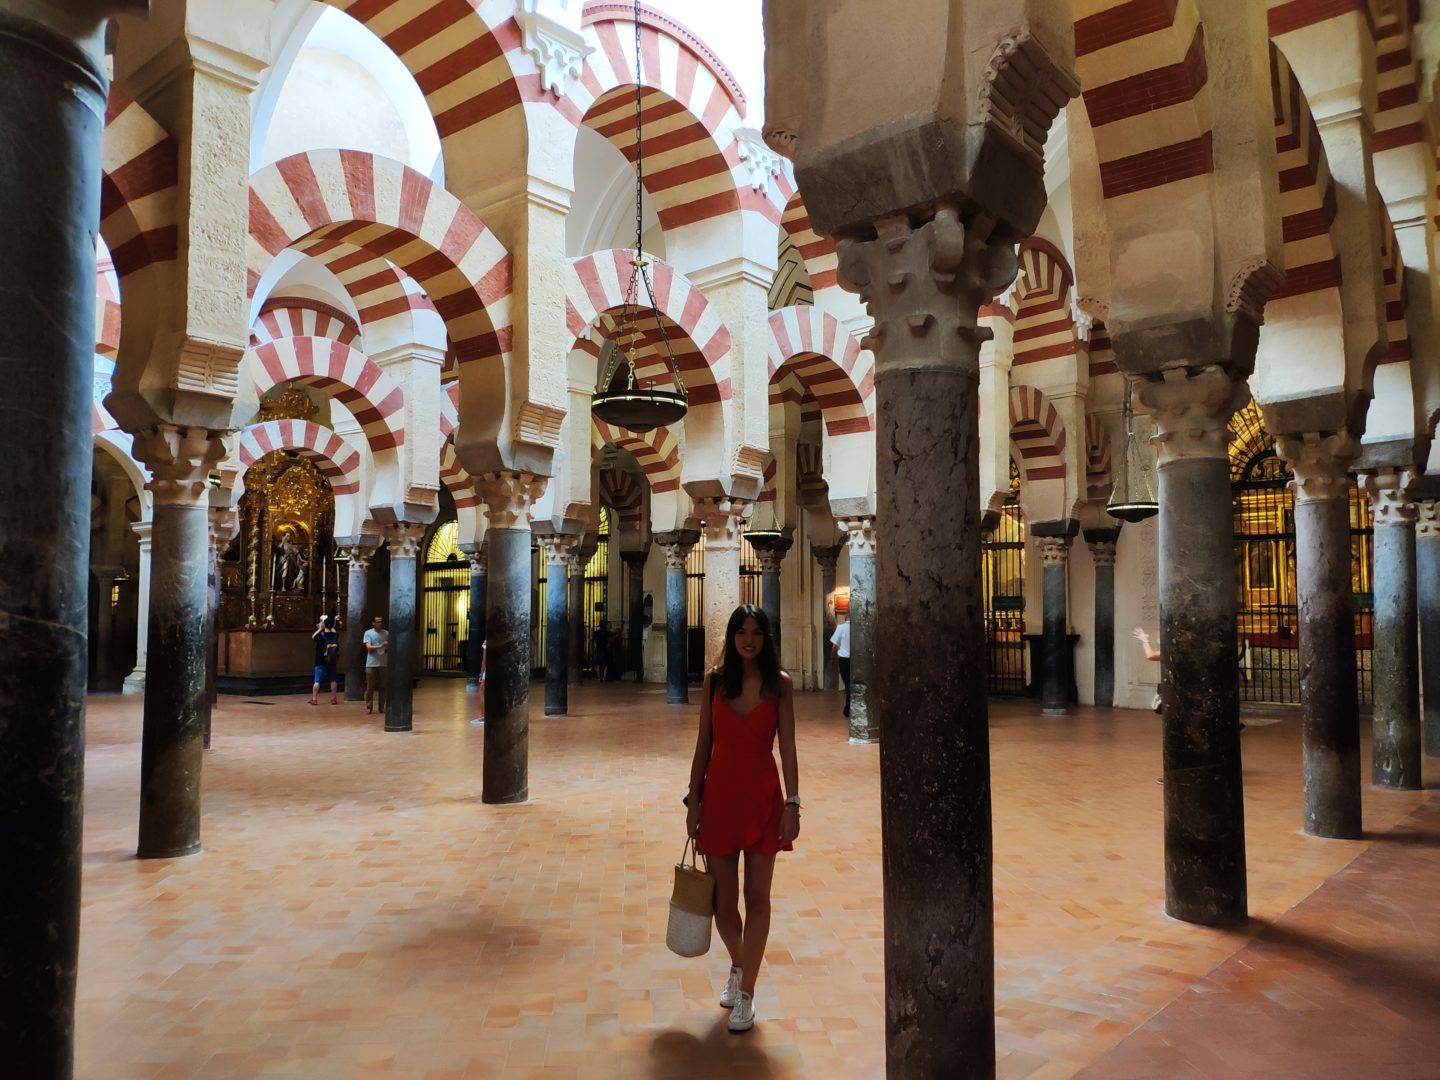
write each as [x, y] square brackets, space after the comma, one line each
[840, 649]
[377, 648]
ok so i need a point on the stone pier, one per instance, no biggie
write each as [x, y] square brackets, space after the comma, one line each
[560, 557]
[677, 546]
[1101, 543]
[1055, 650]
[635, 612]
[404, 539]
[357, 619]
[723, 518]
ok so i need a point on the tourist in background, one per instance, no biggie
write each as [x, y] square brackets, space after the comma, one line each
[840, 649]
[377, 648]
[327, 651]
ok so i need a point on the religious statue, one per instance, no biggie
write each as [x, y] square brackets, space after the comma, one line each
[286, 565]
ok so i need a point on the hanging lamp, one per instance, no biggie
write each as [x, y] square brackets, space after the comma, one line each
[626, 403]
[1136, 505]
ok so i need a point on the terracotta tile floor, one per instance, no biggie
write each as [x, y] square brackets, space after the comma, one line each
[358, 912]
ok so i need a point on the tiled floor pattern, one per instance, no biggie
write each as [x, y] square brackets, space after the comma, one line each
[1347, 983]
[358, 912]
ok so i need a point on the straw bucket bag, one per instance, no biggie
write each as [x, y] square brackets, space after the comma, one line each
[692, 906]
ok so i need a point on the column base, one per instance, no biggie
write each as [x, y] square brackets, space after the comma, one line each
[507, 800]
[1053, 710]
[471, 685]
[855, 740]
[669, 700]
[556, 712]
[169, 853]
[134, 683]
[407, 727]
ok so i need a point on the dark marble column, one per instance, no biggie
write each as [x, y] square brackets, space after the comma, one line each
[577, 616]
[404, 539]
[506, 772]
[863, 539]
[1427, 589]
[53, 112]
[677, 545]
[826, 556]
[1396, 757]
[1329, 703]
[180, 460]
[475, 641]
[560, 556]
[1055, 655]
[1200, 693]
[770, 549]
[1102, 555]
[357, 619]
[223, 524]
[635, 608]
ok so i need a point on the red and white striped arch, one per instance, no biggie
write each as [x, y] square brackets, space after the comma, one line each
[138, 187]
[1400, 109]
[393, 306]
[1097, 454]
[620, 490]
[301, 316]
[787, 389]
[822, 261]
[767, 480]
[830, 364]
[107, 306]
[691, 108]
[810, 473]
[1038, 432]
[453, 475]
[657, 452]
[1397, 327]
[1101, 352]
[337, 461]
[1142, 63]
[1307, 192]
[349, 208]
[597, 287]
[1044, 328]
[374, 398]
[449, 409]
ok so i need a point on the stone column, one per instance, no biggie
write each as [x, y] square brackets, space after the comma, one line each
[135, 681]
[1395, 761]
[635, 608]
[223, 524]
[357, 619]
[180, 460]
[560, 557]
[1200, 693]
[474, 650]
[508, 497]
[1101, 543]
[1427, 587]
[1329, 705]
[50, 127]
[770, 549]
[1054, 653]
[723, 518]
[863, 540]
[577, 616]
[404, 539]
[677, 547]
[827, 555]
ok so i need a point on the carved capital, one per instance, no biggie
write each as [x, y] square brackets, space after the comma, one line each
[1054, 550]
[1102, 552]
[560, 549]
[860, 533]
[677, 545]
[1023, 91]
[760, 160]
[1427, 519]
[509, 496]
[1392, 496]
[404, 538]
[769, 550]
[180, 460]
[723, 518]
[559, 52]
[359, 556]
[924, 284]
[1191, 408]
[1321, 463]
[1251, 288]
[826, 556]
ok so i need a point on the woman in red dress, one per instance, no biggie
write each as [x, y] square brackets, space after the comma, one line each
[735, 801]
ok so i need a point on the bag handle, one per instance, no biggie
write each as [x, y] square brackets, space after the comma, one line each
[692, 849]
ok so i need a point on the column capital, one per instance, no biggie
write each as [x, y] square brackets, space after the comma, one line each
[770, 549]
[180, 460]
[927, 281]
[359, 555]
[224, 524]
[860, 532]
[1054, 550]
[509, 496]
[1102, 552]
[1321, 463]
[678, 545]
[1392, 495]
[1427, 522]
[635, 558]
[723, 517]
[826, 555]
[404, 538]
[560, 549]
[1191, 408]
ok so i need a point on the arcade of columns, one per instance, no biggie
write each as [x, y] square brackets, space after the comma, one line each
[1211, 255]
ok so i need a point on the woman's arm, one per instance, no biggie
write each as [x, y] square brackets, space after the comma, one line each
[700, 762]
[789, 765]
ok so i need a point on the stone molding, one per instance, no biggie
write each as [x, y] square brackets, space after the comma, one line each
[509, 495]
[761, 161]
[1102, 552]
[1191, 408]
[1054, 550]
[1321, 463]
[860, 534]
[723, 518]
[1254, 283]
[1427, 522]
[559, 52]
[1022, 91]
[180, 460]
[927, 281]
[1392, 496]
[404, 538]
[677, 546]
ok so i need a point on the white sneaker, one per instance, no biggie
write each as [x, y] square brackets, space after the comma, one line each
[731, 994]
[742, 1016]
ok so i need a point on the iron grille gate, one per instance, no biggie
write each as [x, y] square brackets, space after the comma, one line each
[1002, 584]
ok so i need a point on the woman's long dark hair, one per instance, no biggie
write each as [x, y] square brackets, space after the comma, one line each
[732, 668]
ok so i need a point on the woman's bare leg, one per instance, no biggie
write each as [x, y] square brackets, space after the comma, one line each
[759, 870]
[726, 869]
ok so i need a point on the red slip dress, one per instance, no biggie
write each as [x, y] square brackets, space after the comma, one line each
[741, 805]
